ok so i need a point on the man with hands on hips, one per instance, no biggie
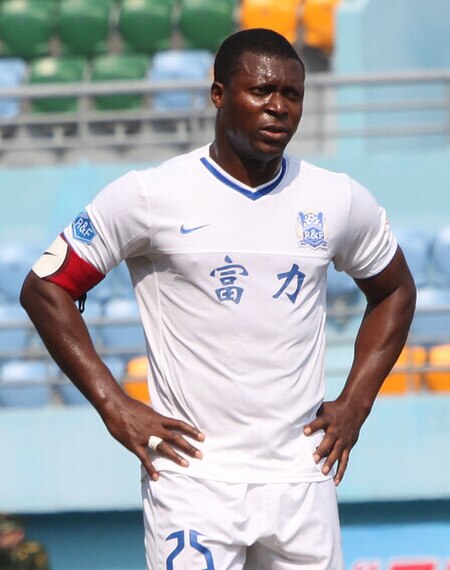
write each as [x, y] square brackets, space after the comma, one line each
[228, 248]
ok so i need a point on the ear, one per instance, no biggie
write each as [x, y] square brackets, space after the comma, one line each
[217, 94]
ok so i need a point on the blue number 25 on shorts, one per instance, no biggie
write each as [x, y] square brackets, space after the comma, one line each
[194, 543]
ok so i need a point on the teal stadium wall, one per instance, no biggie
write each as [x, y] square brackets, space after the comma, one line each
[79, 489]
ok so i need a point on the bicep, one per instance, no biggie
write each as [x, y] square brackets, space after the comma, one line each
[47, 303]
[396, 276]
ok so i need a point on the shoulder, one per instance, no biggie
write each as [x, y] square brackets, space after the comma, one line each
[173, 167]
[318, 175]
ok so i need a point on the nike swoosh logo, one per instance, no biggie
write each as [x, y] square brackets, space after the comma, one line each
[49, 253]
[185, 231]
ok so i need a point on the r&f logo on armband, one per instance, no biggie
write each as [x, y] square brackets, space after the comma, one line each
[83, 229]
[310, 228]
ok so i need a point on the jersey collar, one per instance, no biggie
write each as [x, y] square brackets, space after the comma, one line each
[243, 189]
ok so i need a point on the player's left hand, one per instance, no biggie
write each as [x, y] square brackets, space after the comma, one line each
[341, 423]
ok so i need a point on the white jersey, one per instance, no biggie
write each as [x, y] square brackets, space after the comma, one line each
[230, 281]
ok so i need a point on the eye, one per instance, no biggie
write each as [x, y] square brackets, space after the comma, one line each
[293, 94]
[260, 91]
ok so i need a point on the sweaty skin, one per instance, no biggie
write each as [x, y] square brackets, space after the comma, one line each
[257, 115]
[258, 112]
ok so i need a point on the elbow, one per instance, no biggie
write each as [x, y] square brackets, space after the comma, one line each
[25, 292]
[409, 300]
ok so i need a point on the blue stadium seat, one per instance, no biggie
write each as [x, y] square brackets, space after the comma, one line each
[16, 261]
[441, 257]
[126, 337]
[117, 366]
[14, 338]
[416, 245]
[93, 310]
[69, 393]
[338, 360]
[24, 384]
[341, 287]
[179, 66]
[431, 324]
[117, 283]
[342, 294]
[12, 74]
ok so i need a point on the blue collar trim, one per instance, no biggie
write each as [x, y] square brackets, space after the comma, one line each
[242, 190]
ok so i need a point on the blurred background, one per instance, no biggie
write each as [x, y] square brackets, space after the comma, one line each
[90, 89]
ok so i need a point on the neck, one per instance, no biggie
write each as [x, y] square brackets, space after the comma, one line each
[251, 172]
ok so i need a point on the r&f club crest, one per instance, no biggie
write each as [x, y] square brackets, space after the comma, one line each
[310, 227]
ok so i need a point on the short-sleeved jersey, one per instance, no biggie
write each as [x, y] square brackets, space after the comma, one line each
[231, 285]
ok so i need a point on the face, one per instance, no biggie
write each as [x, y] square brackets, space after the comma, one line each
[260, 109]
[10, 540]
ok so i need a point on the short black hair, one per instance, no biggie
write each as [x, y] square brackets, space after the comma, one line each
[255, 40]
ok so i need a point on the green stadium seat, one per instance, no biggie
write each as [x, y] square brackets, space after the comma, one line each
[146, 25]
[64, 69]
[26, 27]
[205, 24]
[83, 26]
[114, 67]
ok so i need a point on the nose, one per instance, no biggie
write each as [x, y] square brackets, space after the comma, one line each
[277, 104]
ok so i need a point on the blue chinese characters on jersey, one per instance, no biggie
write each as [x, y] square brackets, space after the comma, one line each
[83, 228]
[310, 228]
[292, 277]
[229, 277]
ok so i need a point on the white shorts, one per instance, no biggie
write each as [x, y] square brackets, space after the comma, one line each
[193, 524]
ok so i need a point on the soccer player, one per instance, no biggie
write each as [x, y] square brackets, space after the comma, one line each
[228, 249]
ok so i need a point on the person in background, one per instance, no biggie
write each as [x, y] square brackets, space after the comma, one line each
[228, 248]
[17, 553]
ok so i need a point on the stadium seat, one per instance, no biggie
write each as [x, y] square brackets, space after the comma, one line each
[416, 245]
[124, 67]
[25, 384]
[341, 288]
[12, 74]
[146, 25]
[204, 24]
[56, 70]
[93, 310]
[179, 66]
[318, 23]
[282, 16]
[83, 26]
[129, 336]
[26, 27]
[117, 283]
[13, 338]
[69, 393]
[431, 323]
[16, 260]
[116, 365]
[439, 380]
[441, 257]
[135, 382]
[338, 361]
[402, 381]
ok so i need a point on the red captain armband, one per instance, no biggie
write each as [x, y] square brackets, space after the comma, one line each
[61, 265]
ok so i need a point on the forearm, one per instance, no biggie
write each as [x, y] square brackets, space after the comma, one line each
[130, 421]
[67, 339]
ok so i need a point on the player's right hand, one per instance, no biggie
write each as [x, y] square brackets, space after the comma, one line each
[132, 423]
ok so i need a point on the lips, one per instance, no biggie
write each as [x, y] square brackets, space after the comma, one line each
[275, 132]
[275, 129]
